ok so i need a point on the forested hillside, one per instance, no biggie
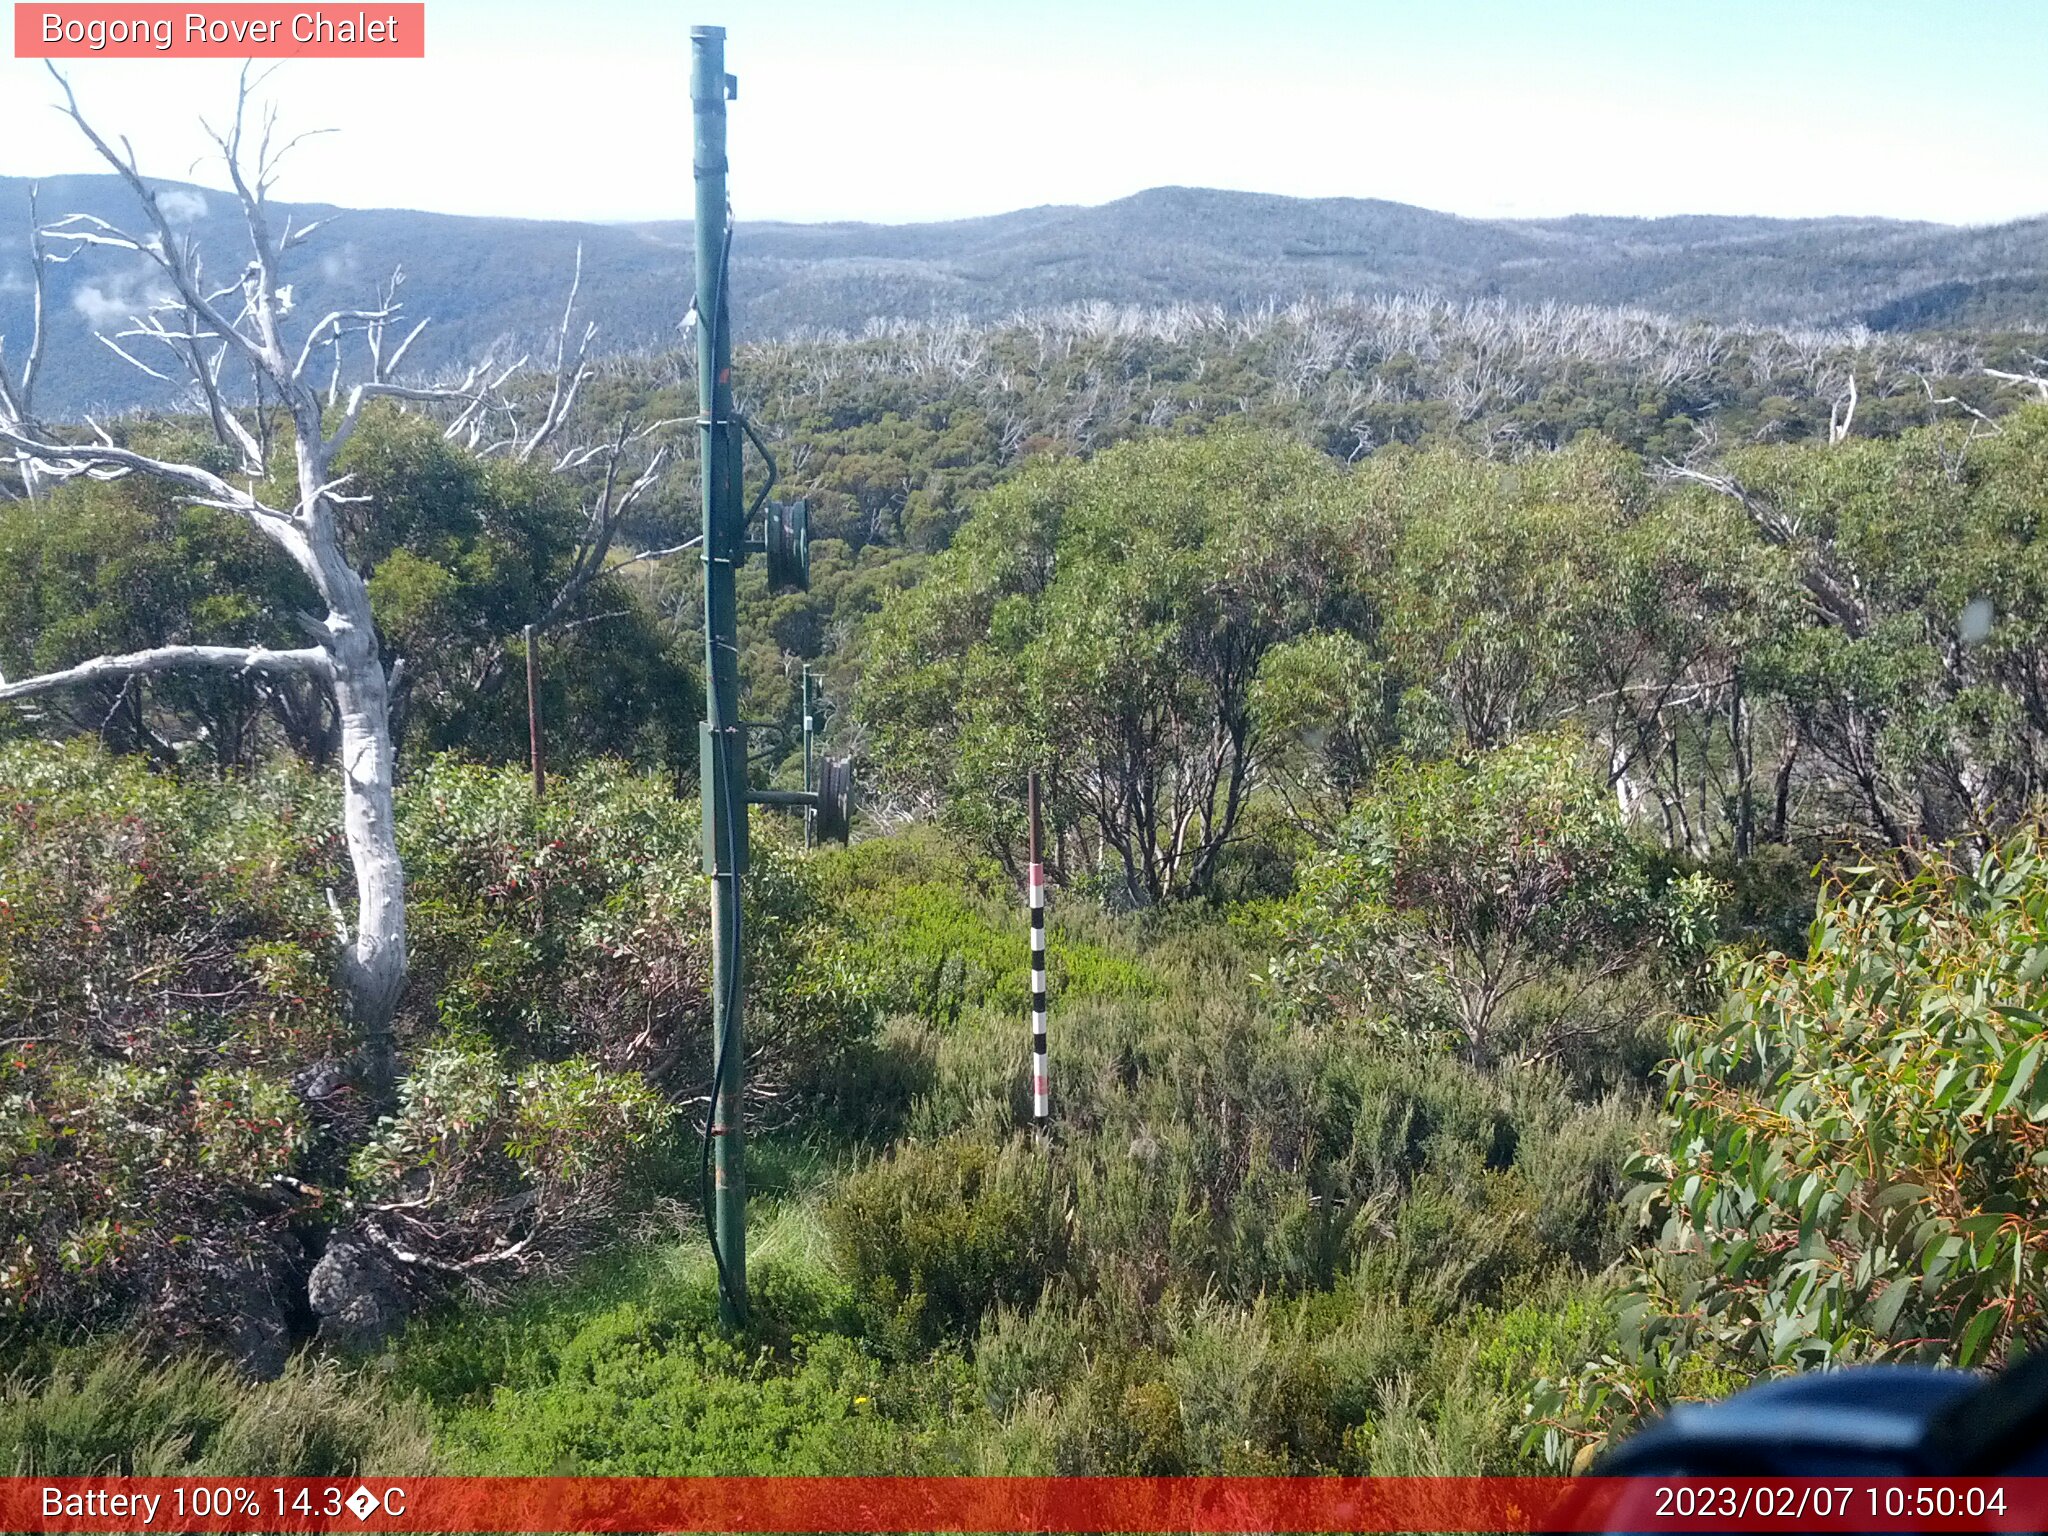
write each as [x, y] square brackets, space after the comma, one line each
[502, 280]
[1544, 820]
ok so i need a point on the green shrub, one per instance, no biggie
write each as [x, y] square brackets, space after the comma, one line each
[577, 925]
[1876, 1110]
[652, 1386]
[107, 1412]
[935, 1235]
[531, 1165]
[1208, 1147]
[943, 935]
[1344, 1380]
[179, 1129]
[165, 970]
[1457, 886]
[1254, 1397]
[1856, 1164]
[1580, 1167]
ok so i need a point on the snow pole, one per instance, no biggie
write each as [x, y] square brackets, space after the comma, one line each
[1041, 1080]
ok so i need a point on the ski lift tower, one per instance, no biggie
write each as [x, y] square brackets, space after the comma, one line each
[722, 738]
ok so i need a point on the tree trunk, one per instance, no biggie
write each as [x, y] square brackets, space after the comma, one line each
[374, 962]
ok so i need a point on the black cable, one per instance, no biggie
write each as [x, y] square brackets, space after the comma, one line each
[760, 447]
[725, 319]
[706, 1191]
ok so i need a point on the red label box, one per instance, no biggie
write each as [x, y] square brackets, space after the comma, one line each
[1213, 1506]
[237, 31]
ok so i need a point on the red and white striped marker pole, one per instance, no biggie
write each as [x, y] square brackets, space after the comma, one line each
[1041, 1082]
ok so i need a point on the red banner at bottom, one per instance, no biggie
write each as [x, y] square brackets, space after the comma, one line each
[1022, 1504]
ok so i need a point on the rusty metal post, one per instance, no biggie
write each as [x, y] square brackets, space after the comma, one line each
[533, 729]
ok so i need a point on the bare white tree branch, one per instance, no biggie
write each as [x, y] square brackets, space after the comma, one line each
[2033, 381]
[238, 659]
[18, 397]
[1842, 413]
[570, 372]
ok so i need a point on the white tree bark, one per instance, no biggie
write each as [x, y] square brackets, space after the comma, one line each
[18, 397]
[171, 658]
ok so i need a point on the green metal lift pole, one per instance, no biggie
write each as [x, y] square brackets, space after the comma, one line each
[722, 740]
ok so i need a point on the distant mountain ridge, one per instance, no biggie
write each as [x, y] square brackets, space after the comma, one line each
[485, 279]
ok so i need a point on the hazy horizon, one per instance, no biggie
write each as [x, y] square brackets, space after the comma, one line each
[916, 113]
[200, 183]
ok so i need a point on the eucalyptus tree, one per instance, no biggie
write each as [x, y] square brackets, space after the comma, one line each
[1908, 662]
[1106, 623]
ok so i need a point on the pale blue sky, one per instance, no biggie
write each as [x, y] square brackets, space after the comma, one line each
[922, 109]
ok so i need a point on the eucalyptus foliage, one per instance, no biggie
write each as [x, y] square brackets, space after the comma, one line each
[1458, 887]
[1105, 623]
[1858, 1160]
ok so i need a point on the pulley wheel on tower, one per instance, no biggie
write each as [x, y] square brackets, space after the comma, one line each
[835, 800]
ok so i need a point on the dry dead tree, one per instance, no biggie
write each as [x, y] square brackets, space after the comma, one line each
[202, 324]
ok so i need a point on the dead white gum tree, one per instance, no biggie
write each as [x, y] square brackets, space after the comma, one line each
[203, 325]
[615, 468]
